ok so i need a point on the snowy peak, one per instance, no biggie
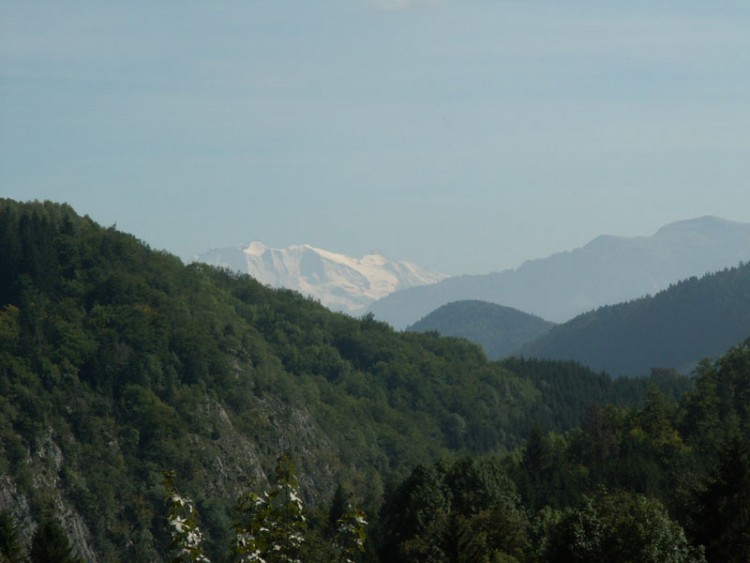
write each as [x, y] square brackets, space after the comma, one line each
[340, 282]
[255, 248]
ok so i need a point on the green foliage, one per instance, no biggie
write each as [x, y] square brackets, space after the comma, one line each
[719, 516]
[569, 389]
[619, 527]
[720, 407]
[117, 361]
[182, 519]
[273, 521]
[11, 547]
[676, 328]
[131, 362]
[351, 533]
[546, 474]
[272, 528]
[691, 457]
[50, 544]
[466, 510]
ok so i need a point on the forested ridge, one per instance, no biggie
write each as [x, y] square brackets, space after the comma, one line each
[676, 328]
[118, 362]
[499, 330]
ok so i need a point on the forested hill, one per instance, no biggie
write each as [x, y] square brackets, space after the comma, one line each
[499, 330]
[667, 482]
[118, 362]
[676, 328]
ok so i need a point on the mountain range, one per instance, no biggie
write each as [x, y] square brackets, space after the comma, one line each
[607, 270]
[675, 329]
[340, 282]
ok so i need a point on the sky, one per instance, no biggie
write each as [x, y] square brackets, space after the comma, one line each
[464, 136]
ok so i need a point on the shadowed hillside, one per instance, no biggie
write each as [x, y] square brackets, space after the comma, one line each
[499, 330]
[607, 270]
[676, 328]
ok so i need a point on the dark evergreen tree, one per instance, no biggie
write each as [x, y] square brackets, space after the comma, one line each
[721, 517]
[415, 509]
[11, 547]
[50, 544]
[339, 506]
[467, 510]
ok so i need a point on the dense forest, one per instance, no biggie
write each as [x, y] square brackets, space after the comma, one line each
[668, 481]
[676, 328]
[118, 363]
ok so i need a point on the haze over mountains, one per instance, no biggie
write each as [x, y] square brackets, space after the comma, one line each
[339, 282]
[499, 330]
[674, 329]
[607, 270]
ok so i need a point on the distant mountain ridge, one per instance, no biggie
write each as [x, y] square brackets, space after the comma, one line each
[676, 328]
[339, 282]
[607, 270]
[499, 330]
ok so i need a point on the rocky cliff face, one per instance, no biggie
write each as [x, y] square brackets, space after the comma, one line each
[229, 464]
[44, 464]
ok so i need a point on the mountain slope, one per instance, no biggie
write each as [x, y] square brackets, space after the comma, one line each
[498, 330]
[689, 321]
[118, 362]
[607, 270]
[339, 282]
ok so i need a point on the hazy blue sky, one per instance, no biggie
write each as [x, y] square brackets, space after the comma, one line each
[465, 136]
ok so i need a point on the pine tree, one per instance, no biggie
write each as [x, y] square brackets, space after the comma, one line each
[722, 520]
[50, 544]
[11, 548]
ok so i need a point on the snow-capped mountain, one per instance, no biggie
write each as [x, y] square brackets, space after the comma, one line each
[339, 282]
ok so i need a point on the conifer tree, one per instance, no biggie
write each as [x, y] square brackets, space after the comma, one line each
[722, 520]
[50, 544]
[11, 548]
